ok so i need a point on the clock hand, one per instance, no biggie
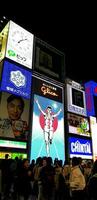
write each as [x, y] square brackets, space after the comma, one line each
[22, 40]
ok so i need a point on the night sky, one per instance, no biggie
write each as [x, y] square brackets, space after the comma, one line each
[74, 35]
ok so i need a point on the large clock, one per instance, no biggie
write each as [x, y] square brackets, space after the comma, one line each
[21, 41]
[20, 45]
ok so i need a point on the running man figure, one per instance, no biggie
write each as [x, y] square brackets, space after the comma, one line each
[48, 126]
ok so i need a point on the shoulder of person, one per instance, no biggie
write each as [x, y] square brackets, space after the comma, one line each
[4, 122]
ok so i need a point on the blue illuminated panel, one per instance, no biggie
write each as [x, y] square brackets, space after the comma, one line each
[16, 80]
[90, 90]
[80, 147]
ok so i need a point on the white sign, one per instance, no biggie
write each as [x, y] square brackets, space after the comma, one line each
[20, 45]
[76, 100]
[93, 127]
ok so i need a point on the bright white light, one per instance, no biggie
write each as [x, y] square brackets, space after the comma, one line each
[55, 105]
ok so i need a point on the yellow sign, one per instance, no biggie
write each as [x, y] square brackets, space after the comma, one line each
[3, 41]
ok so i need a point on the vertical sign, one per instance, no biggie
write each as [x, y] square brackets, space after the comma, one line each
[76, 98]
[20, 45]
[48, 121]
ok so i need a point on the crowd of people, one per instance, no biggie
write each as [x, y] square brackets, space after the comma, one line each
[45, 179]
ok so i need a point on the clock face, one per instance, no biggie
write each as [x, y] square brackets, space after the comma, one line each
[20, 45]
[21, 41]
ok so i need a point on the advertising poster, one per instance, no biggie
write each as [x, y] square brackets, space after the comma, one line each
[48, 122]
[76, 99]
[91, 98]
[3, 41]
[13, 155]
[93, 126]
[80, 147]
[78, 125]
[14, 117]
[20, 45]
[16, 80]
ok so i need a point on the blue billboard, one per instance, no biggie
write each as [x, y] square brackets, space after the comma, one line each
[80, 147]
[90, 93]
[16, 80]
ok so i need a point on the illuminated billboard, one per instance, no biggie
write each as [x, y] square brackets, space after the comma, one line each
[13, 144]
[3, 41]
[16, 80]
[20, 45]
[48, 121]
[13, 155]
[93, 126]
[78, 125]
[76, 98]
[14, 117]
[91, 94]
[80, 147]
[49, 61]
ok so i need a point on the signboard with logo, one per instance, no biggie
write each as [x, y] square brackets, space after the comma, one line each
[76, 98]
[78, 125]
[16, 80]
[20, 45]
[48, 115]
[80, 147]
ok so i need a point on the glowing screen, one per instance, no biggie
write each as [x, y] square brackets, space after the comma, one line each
[48, 126]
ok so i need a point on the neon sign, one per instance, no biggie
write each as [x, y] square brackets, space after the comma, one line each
[90, 91]
[80, 147]
[16, 80]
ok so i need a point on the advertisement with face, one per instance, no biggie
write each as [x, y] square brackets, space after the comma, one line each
[48, 124]
[78, 125]
[14, 117]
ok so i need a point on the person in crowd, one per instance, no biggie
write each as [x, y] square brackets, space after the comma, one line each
[5, 170]
[36, 171]
[81, 164]
[66, 171]
[46, 177]
[92, 183]
[24, 180]
[76, 181]
[14, 126]
[60, 183]
[88, 170]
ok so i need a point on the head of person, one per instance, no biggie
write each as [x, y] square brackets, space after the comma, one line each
[15, 107]
[49, 161]
[6, 156]
[49, 109]
[94, 168]
[75, 161]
